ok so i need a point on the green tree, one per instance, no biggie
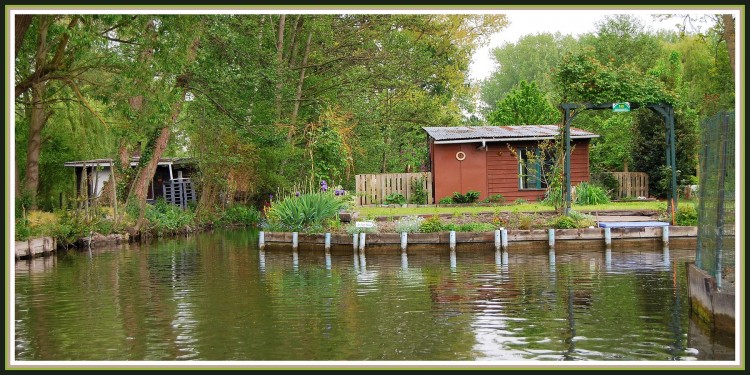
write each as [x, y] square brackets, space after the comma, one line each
[524, 105]
[532, 59]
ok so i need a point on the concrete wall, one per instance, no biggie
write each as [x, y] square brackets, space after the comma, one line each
[707, 302]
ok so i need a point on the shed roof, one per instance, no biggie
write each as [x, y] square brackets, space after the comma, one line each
[133, 162]
[460, 134]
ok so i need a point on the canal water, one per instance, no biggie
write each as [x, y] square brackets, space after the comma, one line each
[215, 296]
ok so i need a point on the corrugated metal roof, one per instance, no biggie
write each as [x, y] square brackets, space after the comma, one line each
[133, 161]
[473, 133]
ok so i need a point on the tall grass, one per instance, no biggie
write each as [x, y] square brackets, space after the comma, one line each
[303, 213]
[587, 194]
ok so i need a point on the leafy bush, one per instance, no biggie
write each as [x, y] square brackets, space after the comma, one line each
[495, 198]
[572, 220]
[521, 220]
[240, 215]
[166, 218]
[590, 194]
[432, 224]
[409, 224]
[687, 215]
[563, 222]
[395, 198]
[420, 194]
[303, 213]
[609, 182]
[471, 227]
[23, 230]
[519, 201]
[470, 197]
[446, 200]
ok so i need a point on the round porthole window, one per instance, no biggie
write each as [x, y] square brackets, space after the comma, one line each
[460, 155]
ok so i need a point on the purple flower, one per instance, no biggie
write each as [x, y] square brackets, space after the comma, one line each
[323, 185]
[270, 197]
[296, 194]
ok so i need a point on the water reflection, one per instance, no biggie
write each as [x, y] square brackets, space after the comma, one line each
[205, 298]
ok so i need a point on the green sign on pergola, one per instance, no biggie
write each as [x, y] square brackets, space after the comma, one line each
[621, 107]
[666, 110]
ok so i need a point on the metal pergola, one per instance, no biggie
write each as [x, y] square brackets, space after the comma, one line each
[666, 110]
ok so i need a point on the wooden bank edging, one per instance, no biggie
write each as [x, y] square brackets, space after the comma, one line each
[500, 237]
[34, 247]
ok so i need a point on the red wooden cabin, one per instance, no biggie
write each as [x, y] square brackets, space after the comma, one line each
[499, 159]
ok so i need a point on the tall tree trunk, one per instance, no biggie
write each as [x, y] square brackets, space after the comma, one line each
[38, 119]
[279, 67]
[23, 21]
[146, 174]
[729, 37]
[298, 94]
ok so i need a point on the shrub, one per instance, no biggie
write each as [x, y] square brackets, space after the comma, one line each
[446, 200]
[609, 182]
[432, 224]
[409, 224]
[520, 201]
[495, 198]
[590, 194]
[687, 215]
[470, 197]
[306, 212]
[166, 218]
[395, 198]
[473, 227]
[420, 194]
[240, 215]
[572, 220]
[563, 222]
[520, 220]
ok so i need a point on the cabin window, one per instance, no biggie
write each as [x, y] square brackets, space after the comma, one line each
[533, 168]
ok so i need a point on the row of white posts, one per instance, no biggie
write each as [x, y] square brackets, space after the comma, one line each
[501, 247]
[501, 239]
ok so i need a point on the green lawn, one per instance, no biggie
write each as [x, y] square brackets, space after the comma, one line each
[371, 212]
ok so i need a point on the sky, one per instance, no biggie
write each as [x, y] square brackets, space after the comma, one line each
[573, 22]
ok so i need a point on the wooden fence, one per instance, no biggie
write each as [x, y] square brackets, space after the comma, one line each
[374, 188]
[632, 184]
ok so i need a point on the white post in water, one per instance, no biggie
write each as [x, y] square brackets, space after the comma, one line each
[453, 260]
[328, 242]
[497, 240]
[452, 240]
[328, 259]
[608, 258]
[551, 238]
[504, 238]
[295, 240]
[355, 241]
[403, 242]
[665, 235]
[362, 242]
[262, 260]
[262, 240]
[404, 261]
[608, 237]
[295, 259]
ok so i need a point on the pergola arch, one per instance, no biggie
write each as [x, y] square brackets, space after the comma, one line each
[664, 109]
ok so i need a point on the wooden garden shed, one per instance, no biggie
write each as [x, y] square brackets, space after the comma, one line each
[504, 160]
[171, 179]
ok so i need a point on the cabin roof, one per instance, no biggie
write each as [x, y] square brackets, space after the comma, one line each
[460, 134]
[133, 162]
